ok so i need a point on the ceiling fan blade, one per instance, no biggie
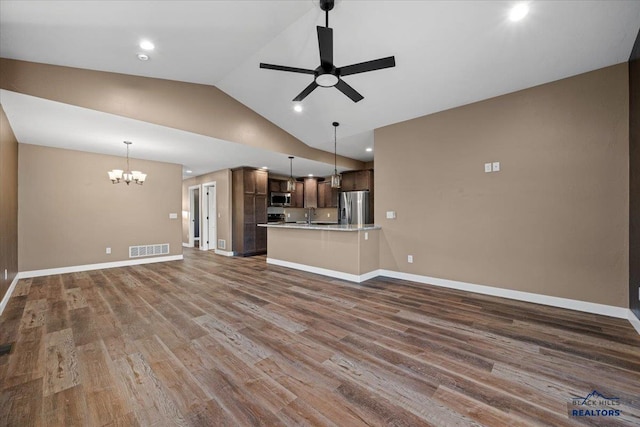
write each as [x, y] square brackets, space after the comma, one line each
[306, 91]
[325, 43]
[285, 68]
[349, 91]
[376, 64]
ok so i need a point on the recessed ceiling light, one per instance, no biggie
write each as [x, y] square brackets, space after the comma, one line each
[146, 45]
[310, 175]
[143, 57]
[265, 168]
[189, 171]
[369, 149]
[297, 108]
[518, 11]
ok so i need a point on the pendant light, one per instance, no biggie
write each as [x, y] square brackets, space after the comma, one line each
[291, 183]
[118, 175]
[336, 179]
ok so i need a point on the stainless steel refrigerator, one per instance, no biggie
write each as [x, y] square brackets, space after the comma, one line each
[353, 207]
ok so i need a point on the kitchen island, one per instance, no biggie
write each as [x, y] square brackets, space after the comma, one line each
[348, 252]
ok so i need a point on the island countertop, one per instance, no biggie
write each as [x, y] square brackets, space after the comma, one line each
[323, 226]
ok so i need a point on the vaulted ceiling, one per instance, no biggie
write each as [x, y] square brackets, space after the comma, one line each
[448, 53]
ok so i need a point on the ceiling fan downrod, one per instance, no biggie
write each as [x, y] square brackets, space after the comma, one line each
[327, 5]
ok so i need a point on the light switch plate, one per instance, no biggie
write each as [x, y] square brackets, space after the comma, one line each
[410, 259]
[391, 214]
[173, 216]
[496, 167]
[108, 251]
[487, 167]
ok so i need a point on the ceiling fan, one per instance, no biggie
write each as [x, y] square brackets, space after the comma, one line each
[327, 74]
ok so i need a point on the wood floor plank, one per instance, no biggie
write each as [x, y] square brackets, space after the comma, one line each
[27, 362]
[151, 403]
[105, 403]
[214, 340]
[67, 408]
[75, 298]
[57, 316]
[21, 404]
[35, 313]
[61, 369]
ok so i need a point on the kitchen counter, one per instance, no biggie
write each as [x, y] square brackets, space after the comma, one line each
[322, 226]
[348, 252]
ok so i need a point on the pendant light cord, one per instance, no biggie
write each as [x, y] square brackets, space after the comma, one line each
[335, 150]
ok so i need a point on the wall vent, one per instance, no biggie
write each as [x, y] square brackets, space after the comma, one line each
[222, 244]
[148, 250]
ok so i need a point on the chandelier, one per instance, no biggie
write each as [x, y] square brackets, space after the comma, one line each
[118, 175]
[335, 178]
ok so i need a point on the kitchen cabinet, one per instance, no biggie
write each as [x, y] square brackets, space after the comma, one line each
[297, 199]
[310, 193]
[327, 196]
[249, 190]
[278, 186]
[357, 180]
[274, 185]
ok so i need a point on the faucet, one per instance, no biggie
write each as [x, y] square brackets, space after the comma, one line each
[312, 212]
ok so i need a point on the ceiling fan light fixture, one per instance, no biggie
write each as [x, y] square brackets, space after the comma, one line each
[327, 80]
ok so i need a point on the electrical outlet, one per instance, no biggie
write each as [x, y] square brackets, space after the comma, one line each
[305, 215]
[288, 215]
[366, 235]
[108, 251]
[410, 259]
[496, 167]
[487, 167]
[329, 215]
[391, 214]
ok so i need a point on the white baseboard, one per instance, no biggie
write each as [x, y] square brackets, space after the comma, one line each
[634, 321]
[7, 295]
[88, 267]
[224, 253]
[323, 271]
[571, 304]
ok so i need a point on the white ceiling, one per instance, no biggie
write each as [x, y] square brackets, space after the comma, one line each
[448, 53]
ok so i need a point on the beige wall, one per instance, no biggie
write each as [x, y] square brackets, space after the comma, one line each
[553, 221]
[69, 211]
[223, 204]
[8, 204]
[201, 109]
[343, 251]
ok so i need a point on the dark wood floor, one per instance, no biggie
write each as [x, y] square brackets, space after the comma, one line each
[232, 341]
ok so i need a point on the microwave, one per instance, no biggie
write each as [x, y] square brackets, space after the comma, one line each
[280, 199]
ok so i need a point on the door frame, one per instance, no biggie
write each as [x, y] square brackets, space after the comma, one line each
[192, 229]
[204, 214]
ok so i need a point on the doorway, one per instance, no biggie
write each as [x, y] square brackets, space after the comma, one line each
[194, 216]
[209, 234]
